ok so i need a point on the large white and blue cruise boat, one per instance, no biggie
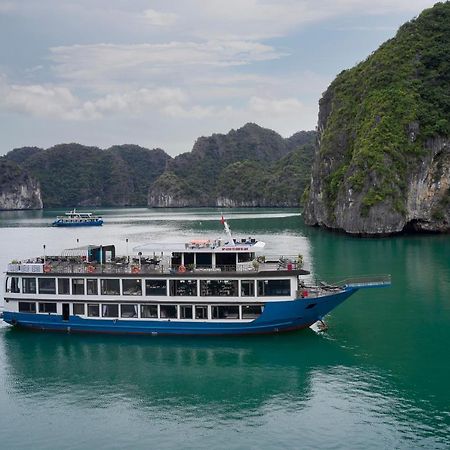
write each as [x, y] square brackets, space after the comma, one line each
[202, 287]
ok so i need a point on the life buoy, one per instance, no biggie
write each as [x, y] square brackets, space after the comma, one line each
[47, 268]
[135, 269]
[305, 294]
[91, 269]
[182, 269]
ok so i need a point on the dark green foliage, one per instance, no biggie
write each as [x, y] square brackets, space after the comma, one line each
[243, 181]
[290, 176]
[248, 166]
[76, 175]
[19, 155]
[168, 182]
[251, 165]
[384, 110]
[11, 175]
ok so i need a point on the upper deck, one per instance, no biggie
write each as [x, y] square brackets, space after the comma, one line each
[155, 267]
[199, 258]
[195, 258]
[78, 215]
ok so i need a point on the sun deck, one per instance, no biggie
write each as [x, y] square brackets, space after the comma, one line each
[152, 266]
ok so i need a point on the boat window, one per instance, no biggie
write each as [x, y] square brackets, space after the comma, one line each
[225, 312]
[274, 288]
[226, 261]
[128, 311]
[168, 311]
[78, 309]
[12, 285]
[77, 286]
[155, 287]
[63, 286]
[204, 260]
[218, 288]
[188, 259]
[110, 310]
[185, 311]
[29, 285]
[93, 311]
[245, 257]
[47, 307]
[183, 287]
[201, 312]
[131, 286]
[149, 311]
[252, 311]
[176, 260]
[27, 307]
[110, 286]
[47, 285]
[247, 288]
[92, 286]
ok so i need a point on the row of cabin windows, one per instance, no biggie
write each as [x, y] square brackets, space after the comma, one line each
[205, 259]
[153, 311]
[132, 286]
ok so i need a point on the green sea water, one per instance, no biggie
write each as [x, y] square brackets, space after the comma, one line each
[378, 378]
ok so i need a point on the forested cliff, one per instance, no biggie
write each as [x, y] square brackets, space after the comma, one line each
[382, 164]
[251, 166]
[77, 175]
[18, 190]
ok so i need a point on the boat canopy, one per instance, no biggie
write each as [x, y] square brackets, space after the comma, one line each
[91, 253]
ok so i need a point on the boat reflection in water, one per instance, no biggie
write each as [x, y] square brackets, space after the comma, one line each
[153, 371]
[175, 391]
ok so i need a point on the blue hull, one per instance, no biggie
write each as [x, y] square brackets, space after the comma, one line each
[92, 224]
[277, 317]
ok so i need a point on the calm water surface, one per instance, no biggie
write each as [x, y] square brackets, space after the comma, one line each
[379, 378]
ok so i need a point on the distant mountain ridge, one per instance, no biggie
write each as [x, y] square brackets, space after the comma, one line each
[240, 168]
[251, 166]
[77, 175]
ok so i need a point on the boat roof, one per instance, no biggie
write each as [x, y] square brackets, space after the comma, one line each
[73, 213]
[204, 246]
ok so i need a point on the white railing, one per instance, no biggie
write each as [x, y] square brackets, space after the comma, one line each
[26, 268]
[367, 281]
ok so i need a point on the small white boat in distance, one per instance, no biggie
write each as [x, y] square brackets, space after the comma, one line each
[78, 219]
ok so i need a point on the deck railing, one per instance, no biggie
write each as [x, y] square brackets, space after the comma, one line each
[366, 281]
[134, 266]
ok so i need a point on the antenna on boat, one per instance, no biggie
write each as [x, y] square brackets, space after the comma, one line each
[227, 228]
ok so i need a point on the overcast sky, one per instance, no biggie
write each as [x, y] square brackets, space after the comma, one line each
[162, 73]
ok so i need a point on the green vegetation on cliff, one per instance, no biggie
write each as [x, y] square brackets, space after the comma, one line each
[248, 166]
[76, 175]
[251, 166]
[378, 117]
[18, 190]
[11, 174]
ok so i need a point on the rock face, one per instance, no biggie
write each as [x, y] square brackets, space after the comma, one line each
[251, 166]
[428, 199]
[17, 189]
[382, 160]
